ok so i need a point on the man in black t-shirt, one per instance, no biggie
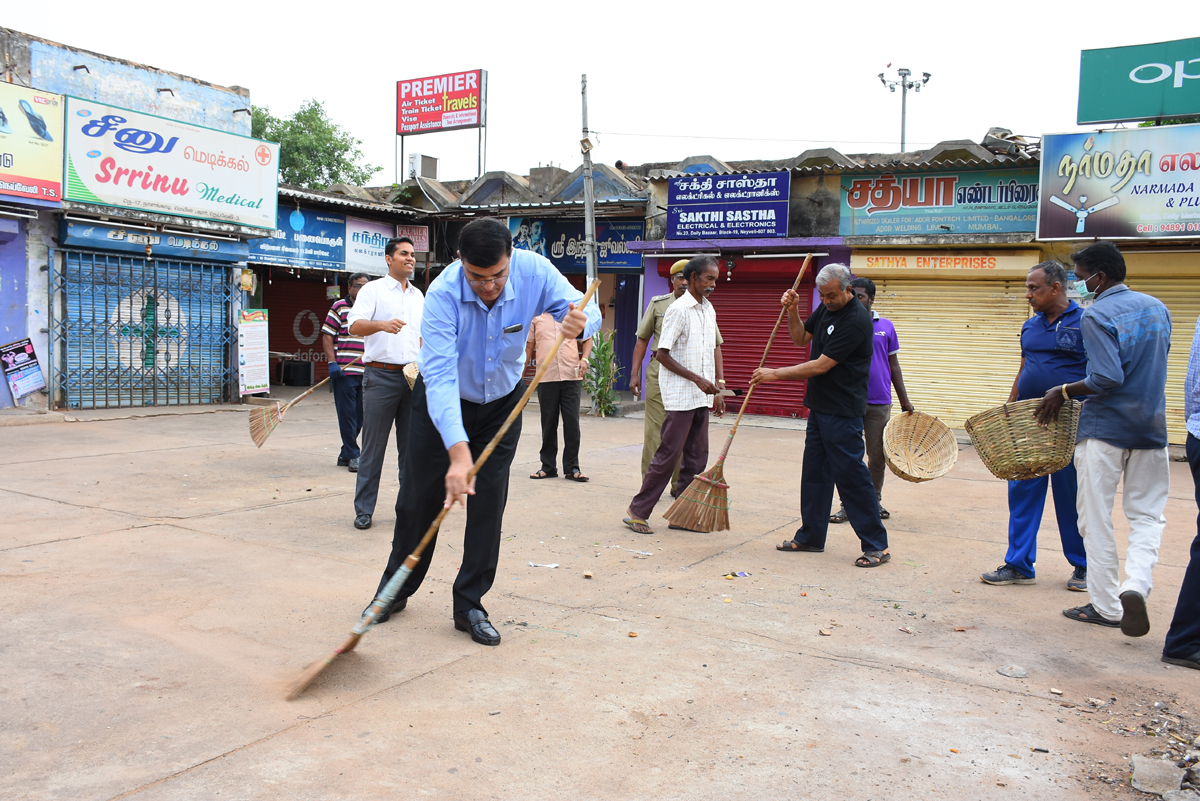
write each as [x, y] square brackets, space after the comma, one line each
[841, 334]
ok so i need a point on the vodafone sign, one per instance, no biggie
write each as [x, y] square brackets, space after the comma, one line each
[441, 103]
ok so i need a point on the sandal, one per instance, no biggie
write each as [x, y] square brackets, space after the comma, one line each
[884, 514]
[543, 474]
[872, 559]
[638, 525]
[840, 517]
[792, 545]
[1088, 614]
[577, 476]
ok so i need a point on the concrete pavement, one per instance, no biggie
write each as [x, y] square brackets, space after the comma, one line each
[162, 581]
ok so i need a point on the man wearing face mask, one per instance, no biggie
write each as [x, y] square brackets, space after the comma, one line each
[474, 329]
[340, 350]
[837, 371]
[689, 379]
[1122, 435]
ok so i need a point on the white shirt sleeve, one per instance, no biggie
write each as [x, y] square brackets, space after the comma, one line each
[364, 305]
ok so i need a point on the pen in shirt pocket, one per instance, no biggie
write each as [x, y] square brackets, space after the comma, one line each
[512, 329]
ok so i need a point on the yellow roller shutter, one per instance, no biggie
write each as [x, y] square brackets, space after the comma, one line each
[960, 341]
[1182, 298]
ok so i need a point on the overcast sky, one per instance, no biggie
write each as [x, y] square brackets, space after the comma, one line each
[666, 80]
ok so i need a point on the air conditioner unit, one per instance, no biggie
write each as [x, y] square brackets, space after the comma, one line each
[423, 166]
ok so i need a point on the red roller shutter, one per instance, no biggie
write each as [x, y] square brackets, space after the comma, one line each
[296, 309]
[746, 312]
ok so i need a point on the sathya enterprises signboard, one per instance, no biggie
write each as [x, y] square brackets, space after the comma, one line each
[1140, 82]
[304, 238]
[441, 103]
[1135, 183]
[562, 241]
[983, 201]
[728, 206]
[117, 157]
[31, 149]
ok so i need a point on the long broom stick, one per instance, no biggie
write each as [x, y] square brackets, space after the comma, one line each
[263, 420]
[396, 582]
[695, 508]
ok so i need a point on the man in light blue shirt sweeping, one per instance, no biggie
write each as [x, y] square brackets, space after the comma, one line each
[474, 328]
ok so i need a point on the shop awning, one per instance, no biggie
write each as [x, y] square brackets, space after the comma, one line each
[668, 246]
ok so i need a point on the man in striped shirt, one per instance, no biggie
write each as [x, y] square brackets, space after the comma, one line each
[340, 349]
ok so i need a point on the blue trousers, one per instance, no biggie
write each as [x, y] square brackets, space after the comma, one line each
[1183, 638]
[347, 399]
[1026, 502]
[833, 456]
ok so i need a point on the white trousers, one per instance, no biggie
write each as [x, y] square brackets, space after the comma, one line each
[1147, 477]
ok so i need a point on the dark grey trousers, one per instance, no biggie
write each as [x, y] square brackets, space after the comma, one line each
[387, 404]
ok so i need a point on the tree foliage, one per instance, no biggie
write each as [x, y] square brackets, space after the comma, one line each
[1175, 121]
[314, 151]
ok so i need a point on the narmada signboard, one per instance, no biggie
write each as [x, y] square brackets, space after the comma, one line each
[441, 103]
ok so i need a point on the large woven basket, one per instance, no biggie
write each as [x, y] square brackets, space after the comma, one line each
[919, 447]
[1014, 447]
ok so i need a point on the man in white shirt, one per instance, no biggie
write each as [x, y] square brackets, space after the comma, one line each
[688, 379]
[387, 312]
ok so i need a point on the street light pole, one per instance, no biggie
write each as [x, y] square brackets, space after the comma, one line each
[905, 84]
[589, 211]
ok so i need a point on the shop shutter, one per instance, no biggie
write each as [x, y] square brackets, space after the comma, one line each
[141, 332]
[746, 313]
[960, 341]
[296, 309]
[1182, 298]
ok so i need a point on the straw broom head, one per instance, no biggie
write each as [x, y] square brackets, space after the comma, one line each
[263, 420]
[704, 505]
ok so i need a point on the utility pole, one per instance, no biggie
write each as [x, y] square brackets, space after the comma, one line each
[589, 198]
[905, 84]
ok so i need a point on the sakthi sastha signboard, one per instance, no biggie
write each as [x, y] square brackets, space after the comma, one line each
[117, 157]
[1131, 183]
[441, 103]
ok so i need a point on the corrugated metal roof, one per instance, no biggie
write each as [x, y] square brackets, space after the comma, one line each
[342, 200]
[864, 164]
[553, 204]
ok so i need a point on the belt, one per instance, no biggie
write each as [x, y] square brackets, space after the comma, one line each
[384, 365]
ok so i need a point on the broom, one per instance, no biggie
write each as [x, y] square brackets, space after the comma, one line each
[396, 582]
[264, 419]
[704, 505]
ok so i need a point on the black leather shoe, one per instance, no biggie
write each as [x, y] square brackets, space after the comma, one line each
[476, 622]
[342, 462]
[396, 605]
[362, 521]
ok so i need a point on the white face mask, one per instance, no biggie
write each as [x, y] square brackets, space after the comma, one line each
[1082, 288]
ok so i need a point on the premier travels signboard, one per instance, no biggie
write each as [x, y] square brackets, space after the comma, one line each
[1135, 183]
[122, 158]
[31, 149]
[728, 206]
[1140, 82]
[441, 103]
[979, 202]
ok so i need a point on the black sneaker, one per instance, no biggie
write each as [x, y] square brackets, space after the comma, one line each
[1078, 580]
[1006, 574]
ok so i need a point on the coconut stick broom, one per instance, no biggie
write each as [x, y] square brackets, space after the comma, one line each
[396, 582]
[264, 419]
[704, 505]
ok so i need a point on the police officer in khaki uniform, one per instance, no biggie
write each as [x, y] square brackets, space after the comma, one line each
[651, 326]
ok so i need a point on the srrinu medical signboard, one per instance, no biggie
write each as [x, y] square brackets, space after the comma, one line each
[117, 157]
[1136, 183]
[1141, 82]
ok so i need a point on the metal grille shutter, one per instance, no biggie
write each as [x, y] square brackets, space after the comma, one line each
[296, 310]
[960, 341]
[746, 313]
[1182, 298]
[138, 332]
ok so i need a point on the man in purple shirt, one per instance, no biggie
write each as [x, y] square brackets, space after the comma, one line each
[885, 374]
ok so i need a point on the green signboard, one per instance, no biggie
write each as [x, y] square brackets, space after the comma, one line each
[1140, 82]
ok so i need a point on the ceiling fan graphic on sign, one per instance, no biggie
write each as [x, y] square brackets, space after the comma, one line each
[1084, 210]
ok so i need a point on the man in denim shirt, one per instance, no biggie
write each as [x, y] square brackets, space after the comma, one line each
[1122, 433]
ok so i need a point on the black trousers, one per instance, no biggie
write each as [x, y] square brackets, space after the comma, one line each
[557, 397]
[424, 491]
[1183, 638]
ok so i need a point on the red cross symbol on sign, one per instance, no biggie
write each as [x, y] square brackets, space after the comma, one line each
[263, 154]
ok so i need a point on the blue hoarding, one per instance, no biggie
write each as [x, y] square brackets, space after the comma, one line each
[728, 206]
[304, 238]
[164, 245]
[562, 242]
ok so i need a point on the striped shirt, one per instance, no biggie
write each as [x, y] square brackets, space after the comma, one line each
[347, 348]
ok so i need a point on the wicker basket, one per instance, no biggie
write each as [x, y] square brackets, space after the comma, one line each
[410, 374]
[919, 447]
[1014, 447]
